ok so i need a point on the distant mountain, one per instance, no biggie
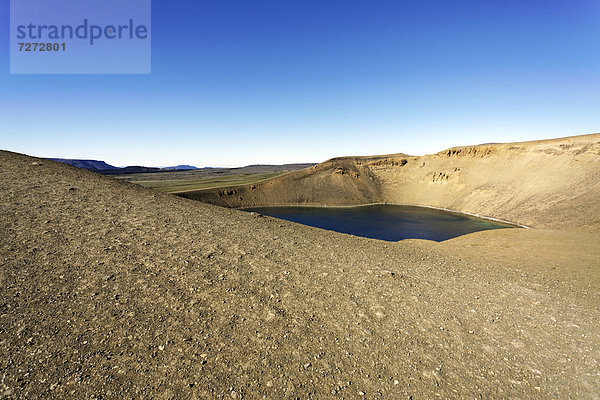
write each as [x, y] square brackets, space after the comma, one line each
[107, 169]
[180, 167]
[136, 169]
[92, 165]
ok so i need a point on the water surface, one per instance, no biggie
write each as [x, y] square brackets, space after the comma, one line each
[385, 222]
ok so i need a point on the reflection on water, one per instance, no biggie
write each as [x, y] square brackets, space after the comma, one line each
[385, 222]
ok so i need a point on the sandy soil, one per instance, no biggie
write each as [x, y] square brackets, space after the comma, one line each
[114, 291]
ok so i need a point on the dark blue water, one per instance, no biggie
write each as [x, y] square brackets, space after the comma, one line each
[385, 222]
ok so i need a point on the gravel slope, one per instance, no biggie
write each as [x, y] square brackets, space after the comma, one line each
[110, 290]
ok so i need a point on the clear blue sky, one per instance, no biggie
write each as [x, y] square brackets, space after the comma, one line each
[275, 81]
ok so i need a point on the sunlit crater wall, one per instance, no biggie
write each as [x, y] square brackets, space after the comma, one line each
[547, 184]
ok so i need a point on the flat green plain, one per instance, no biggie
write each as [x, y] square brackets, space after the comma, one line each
[179, 184]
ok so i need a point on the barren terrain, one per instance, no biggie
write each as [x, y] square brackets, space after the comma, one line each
[111, 290]
[546, 184]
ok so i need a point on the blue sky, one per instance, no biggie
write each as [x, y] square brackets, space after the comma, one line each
[275, 81]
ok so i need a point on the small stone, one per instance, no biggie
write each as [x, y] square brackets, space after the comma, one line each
[307, 365]
[396, 382]
[361, 393]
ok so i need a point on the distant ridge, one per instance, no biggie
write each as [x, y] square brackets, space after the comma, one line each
[104, 168]
[107, 169]
[93, 165]
[180, 167]
[136, 169]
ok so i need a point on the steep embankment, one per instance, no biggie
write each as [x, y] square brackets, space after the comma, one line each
[548, 183]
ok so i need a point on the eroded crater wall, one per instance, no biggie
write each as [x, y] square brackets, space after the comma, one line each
[547, 184]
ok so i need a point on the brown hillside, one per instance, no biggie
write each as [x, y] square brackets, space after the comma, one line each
[112, 291]
[548, 184]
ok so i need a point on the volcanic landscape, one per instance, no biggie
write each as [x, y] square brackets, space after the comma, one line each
[110, 290]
